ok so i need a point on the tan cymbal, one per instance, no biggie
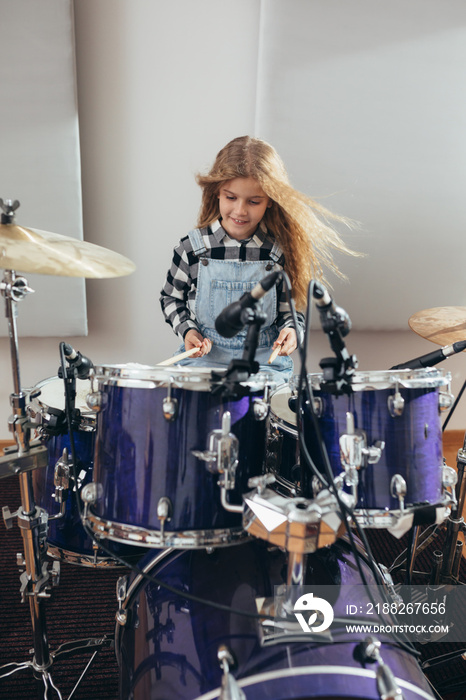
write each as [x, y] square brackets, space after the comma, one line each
[443, 325]
[44, 253]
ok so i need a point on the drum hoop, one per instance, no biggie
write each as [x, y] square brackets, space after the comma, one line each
[144, 376]
[179, 539]
[429, 377]
[88, 416]
[275, 421]
[313, 671]
[88, 560]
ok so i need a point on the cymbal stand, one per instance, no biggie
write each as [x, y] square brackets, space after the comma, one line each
[32, 520]
[455, 524]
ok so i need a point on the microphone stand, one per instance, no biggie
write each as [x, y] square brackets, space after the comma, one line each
[338, 370]
[240, 369]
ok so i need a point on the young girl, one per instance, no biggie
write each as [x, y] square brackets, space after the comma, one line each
[251, 222]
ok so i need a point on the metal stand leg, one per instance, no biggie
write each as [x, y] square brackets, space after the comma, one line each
[35, 580]
[455, 524]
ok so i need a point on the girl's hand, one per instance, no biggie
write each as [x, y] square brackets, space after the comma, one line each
[193, 339]
[287, 341]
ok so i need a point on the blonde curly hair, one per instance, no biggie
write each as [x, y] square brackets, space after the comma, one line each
[300, 225]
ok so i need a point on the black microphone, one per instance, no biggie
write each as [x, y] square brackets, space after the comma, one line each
[230, 321]
[330, 315]
[81, 363]
[433, 358]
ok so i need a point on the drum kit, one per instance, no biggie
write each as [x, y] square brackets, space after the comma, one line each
[227, 495]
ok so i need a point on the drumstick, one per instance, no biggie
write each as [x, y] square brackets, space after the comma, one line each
[177, 358]
[274, 354]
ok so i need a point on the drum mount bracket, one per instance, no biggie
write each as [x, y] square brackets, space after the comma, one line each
[221, 458]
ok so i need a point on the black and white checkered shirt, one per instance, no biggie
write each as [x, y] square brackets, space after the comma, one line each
[180, 287]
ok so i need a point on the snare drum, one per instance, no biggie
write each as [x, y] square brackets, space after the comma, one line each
[282, 452]
[66, 538]
[167, 646]
[396, 419]
[156, 462]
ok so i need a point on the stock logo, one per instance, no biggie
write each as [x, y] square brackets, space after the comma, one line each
[308, 603]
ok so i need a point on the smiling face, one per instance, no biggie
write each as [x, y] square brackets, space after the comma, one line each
[242, 204]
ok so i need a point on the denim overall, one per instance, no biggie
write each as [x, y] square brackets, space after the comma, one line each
[221, 282]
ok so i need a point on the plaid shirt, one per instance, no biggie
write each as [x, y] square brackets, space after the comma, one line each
[179, 291]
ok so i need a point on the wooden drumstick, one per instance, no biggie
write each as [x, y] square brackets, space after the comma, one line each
[274, 354]
[176, 358]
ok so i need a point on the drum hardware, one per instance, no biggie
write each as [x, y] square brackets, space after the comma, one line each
[170, 406]
[398, 490]
[61, 478]
[335, 322]
[230, 689]
[221, 457]
[260, 408]
[295, 524]
[164, 511]
[122, 591]
[354, 452]
[386, 682]
[38, 251]
[396, 403]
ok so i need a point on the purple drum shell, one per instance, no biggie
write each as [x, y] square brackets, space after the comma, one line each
[67, 538]
[168, 646]
[413, 443]
[141, 457]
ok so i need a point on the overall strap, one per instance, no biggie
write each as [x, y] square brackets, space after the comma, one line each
[197, 242]
[276, 253]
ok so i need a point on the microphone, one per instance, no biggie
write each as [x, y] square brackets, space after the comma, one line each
[433, 358]
[231, 320]
[81, 363]
[330, 315]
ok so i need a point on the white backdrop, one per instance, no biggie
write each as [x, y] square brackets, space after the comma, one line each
[161, 88]
[39, 145]
[365, 99]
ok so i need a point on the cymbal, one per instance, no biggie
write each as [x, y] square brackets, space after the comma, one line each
[443, 325]
[44, 253]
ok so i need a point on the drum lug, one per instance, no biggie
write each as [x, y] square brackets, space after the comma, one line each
[170, 406]
[449, 480]
[260, 409]
[121, 591]
[318, 406]
[445, 399]
[386, 682]
[164, 512]
[90, 493]
[230, 689]
[61, 477]
[95, 401]
[396, 404]
[398, 490]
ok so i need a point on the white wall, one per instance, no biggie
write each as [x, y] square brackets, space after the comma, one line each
[161, 87]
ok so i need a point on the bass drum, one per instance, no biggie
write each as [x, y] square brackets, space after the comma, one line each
[167, 645]
[67, 539]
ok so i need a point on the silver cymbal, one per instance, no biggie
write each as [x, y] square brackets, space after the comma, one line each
[44, 253]
[443, 325]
